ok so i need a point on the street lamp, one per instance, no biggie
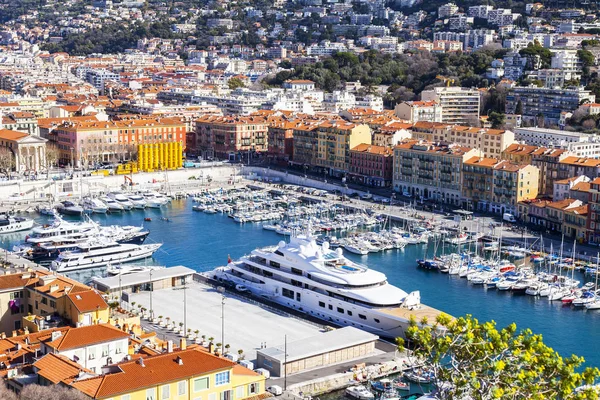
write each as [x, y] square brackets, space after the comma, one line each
[221, 290]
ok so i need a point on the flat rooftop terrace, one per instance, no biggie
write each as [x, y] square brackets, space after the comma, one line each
[247, 324]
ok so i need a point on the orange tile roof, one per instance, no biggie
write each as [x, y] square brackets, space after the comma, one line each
[583, 161]
[12, 135]
[156, 370]
[12, 281]
[483, 161]
[57, 368]
[562, 204]
[582, 187]
[372, 149]
[86, 301]
[87, 335]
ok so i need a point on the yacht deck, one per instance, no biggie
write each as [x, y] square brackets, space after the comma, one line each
[418, 312]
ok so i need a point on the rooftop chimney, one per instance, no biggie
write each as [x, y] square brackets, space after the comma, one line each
[179, 360]
[141, 361]
[182, 344]
[169, 346]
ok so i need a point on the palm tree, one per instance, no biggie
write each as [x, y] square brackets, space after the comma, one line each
[196, 332]
[227, 346]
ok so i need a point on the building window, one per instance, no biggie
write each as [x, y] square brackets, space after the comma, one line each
[150, 394]
[200, 384]
[166, 392]
[222, 378]
[239, 392]
[253, 388]
[52, 304]
[105, 350]
[44, 300]
[126, 397]
[181, 388]
[225, 395]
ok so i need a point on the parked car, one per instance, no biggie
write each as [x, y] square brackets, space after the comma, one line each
[275, 390]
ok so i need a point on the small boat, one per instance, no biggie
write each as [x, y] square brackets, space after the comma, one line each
[359, 392]
[148, 219]
[428, 264]
[382, 385]
[400, 385]
[419, 376]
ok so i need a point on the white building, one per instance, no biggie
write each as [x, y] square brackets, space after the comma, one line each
[415, 111]
[569, 62]
[548, 137]
[459, 105]
[92, 346]
[563, 187]
[447, 10]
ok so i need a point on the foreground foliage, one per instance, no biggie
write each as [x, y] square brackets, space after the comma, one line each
[476, 360]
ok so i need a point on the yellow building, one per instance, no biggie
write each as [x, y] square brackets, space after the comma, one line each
[160, 156]
[185, 374]
[498, 186]
[335, 139]
[40, 293]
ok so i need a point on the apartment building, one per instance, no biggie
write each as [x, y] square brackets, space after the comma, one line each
[188, 373]
[305, 144]
[575, 166]
[30, 297]
[371, 165]
[92, 347]
[459, 105]
[491, 142]
[85, 143]
[593, 221]
[548, 137]
[416, 111]
[227, 137]
[335, 139]
[429, 170]
[280, 137]
[498, 186]
[391, 134]
[563, 187]
[546, 103]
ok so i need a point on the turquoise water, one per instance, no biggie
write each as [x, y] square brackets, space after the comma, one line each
[202, 242]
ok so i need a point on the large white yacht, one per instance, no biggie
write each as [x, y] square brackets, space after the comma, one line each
[322, 283]
[60, 228]
[99, 253]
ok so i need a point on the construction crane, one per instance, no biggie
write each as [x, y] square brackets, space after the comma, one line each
[447, 81]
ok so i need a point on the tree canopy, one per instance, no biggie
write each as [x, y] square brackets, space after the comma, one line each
[476, 360]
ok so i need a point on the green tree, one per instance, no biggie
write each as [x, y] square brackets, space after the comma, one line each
[587, 59]
[476, 360]
[496, 119]
[519, 108]
[235, 83]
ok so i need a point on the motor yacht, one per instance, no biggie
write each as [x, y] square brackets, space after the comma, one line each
[70, 208]
[95, 206]
[324, 284]
[99, 253]
[14, 224]
[60, 229]
[112, 204]
[130, 269]
[122, 200]
[138, 201]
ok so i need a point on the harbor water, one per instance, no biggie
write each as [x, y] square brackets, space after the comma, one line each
[202, 242]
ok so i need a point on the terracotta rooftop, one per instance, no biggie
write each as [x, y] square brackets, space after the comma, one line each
[562, 204]
[582, 187]
[582, 161]
[87, 335]
[7, 134]
[153, 371]
[483, 161]
[57, 368]
[372, 149]
[89, 300]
